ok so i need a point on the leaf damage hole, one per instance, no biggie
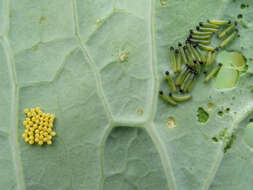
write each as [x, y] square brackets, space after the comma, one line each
[164, 3]
[171, 123]
[226, 137]
[215, 139]
[98, 21]
[220, 113]
[123, 57]
[42, 19]
[210, 106]
[239, 16]
[202, 115]
[243, 6]
[140, 111]
[234, 65]
[248, 133]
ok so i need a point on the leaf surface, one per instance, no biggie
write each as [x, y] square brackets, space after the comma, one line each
[113, 131]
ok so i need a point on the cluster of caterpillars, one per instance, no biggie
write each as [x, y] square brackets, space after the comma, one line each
[197, 56]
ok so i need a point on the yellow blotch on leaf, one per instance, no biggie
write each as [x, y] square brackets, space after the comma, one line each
[39, 127]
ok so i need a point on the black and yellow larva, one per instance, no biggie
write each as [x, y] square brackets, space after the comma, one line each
[188, 45]
[219, 22]
[228, 39]
[227, 31]
[180, 98]
[204, 42]
[167, 99]
[173, 59]
[209, 25]
[179, 79]
[204, 29]
[199, 33]
[186, 79]
[202, 57]
[213, 56]
[195, 53]
[182, 53]
[206, 48]
[170, 81]
[178, 60]
[213, 72]
[197, 37]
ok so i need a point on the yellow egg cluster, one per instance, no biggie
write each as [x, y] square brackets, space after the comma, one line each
[39, 127]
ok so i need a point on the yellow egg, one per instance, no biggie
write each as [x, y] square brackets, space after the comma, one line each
[50, 125]
[37, 140]
[41, 132]
[49, 130]
[45, 139]
[26, 139]
[52, 116]
[31, 141]
[41, 137]
[37, 135]
[49, 142]
[30, 133]
[32, 110]
[37, 131]
[49, 137]
[45, 134]
[30, 123]
[40, 142]
[28, 119]
[26, 111]
[25, 123]
[24, 135]
[31, 137]
[37, 109]
[29, 114]
[53, 133]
